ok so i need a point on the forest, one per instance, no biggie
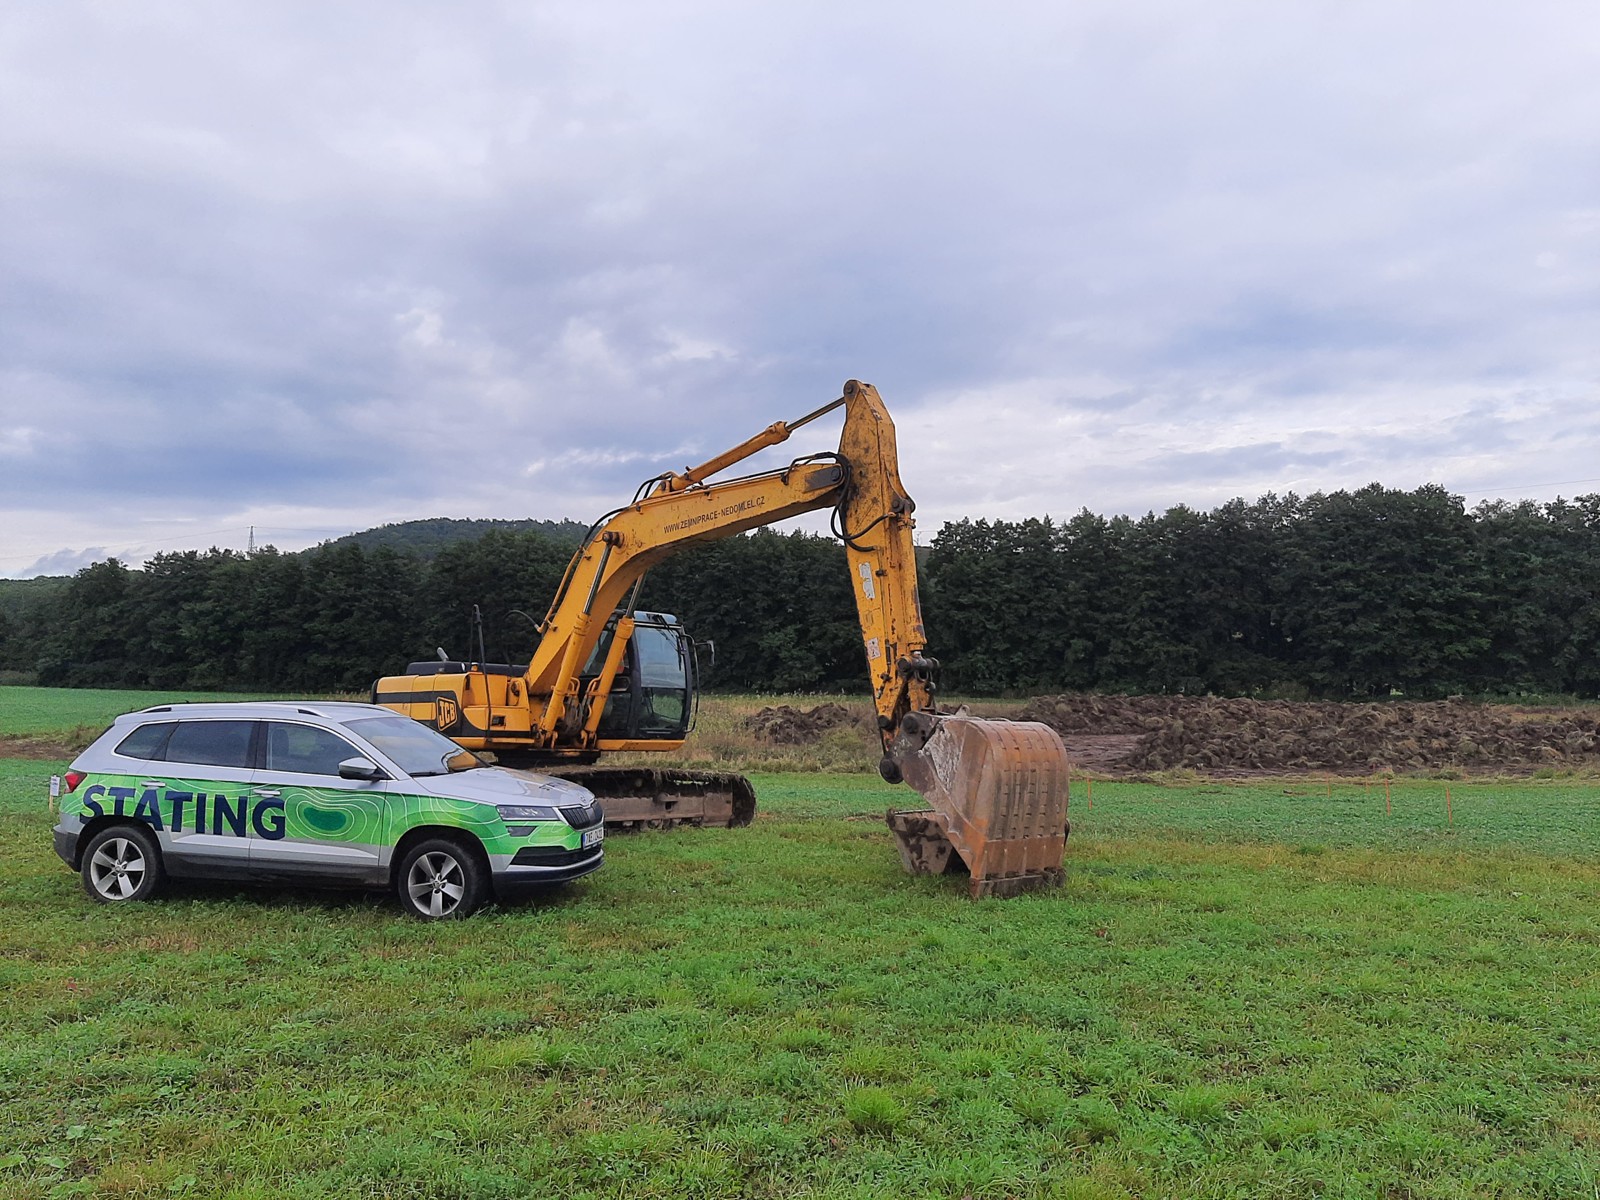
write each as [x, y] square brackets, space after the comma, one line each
[1349, 594]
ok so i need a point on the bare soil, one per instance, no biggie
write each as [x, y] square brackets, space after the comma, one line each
[1229, 738]
[36, 747]
[1100, 753]
[1238, 736]
[785, 725]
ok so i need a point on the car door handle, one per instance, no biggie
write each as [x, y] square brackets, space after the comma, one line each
[160, 783]
[268, 793]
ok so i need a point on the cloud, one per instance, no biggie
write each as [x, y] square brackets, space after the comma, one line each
[370, 263]
[19, 442]
[63, 562]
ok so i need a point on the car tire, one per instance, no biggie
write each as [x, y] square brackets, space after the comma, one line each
[441, 880]
[121, 863]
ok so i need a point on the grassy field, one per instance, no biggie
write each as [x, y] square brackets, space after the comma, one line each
[1242, 991]
[81, 713]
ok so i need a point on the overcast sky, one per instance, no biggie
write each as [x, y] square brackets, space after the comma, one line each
[316, 267]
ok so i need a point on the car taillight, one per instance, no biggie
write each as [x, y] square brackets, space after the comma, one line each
[74, 778]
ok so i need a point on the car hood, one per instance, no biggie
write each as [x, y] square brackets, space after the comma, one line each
[495, 785]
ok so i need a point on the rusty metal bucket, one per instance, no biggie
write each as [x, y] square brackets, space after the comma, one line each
[998, 791]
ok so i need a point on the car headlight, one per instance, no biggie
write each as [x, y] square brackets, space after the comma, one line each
[527, 812]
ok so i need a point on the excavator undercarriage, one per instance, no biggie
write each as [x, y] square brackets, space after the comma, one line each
[665, 797]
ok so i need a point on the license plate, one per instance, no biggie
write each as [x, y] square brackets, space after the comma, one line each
[593, 837]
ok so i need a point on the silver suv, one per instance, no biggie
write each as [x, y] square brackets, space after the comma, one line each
[323, 792]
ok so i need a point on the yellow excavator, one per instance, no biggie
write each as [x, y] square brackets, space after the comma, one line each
[605, 677]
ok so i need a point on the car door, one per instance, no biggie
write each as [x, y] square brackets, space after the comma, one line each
[201, 794]
[317, 824]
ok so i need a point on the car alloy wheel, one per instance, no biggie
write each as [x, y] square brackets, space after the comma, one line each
[121, 864]
[440, 880]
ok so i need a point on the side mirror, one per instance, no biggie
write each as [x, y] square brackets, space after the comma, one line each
[709, 645]
[360, 768]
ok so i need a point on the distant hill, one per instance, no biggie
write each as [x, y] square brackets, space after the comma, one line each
[427, 538]
[423, 538]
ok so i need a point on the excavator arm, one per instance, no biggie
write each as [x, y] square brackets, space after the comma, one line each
[861, 482]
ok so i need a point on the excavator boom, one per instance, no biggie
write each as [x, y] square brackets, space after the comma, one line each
[861, 482]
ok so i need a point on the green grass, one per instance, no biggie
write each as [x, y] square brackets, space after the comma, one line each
[1557, 817]
[43, 711]
[1240, 992]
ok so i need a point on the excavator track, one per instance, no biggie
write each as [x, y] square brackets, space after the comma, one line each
[664, 797]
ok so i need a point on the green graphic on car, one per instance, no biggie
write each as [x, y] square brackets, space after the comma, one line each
[322, 820]
[300, 814]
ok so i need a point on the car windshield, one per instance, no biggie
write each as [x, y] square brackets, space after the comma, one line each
[414, 748]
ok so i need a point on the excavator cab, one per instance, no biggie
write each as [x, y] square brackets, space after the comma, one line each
[653, 697]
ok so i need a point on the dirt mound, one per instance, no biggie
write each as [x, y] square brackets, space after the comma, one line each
[37, 747]
[1232, 736]
[1084, 713]
[787, 726]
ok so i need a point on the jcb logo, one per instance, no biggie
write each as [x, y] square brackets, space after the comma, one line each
[445, 715]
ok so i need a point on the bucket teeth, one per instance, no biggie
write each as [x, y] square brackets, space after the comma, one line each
[998, 797]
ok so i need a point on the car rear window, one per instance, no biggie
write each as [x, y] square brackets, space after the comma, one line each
[211, 743]
[147, 741]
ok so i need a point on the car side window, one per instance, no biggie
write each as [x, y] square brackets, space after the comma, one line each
[212, 743]
[306, 749]
[147, 741]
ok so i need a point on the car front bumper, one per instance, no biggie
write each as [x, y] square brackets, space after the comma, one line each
[512, 878]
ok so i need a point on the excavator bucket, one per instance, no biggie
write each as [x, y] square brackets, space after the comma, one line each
[997, 792]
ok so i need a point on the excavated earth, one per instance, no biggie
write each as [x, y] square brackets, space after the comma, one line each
[1246, 737]
[37, 747]
[785, 725]
[1139, 735]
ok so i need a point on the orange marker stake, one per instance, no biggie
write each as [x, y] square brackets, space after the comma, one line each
[1449, 816]
[1386, 807]
[1090, 784]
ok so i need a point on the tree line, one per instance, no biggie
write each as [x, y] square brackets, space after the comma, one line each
[1343, 594]
[1339, 595]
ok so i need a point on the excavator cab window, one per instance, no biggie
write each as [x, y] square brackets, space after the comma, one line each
[663, 682]
[653, 695]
